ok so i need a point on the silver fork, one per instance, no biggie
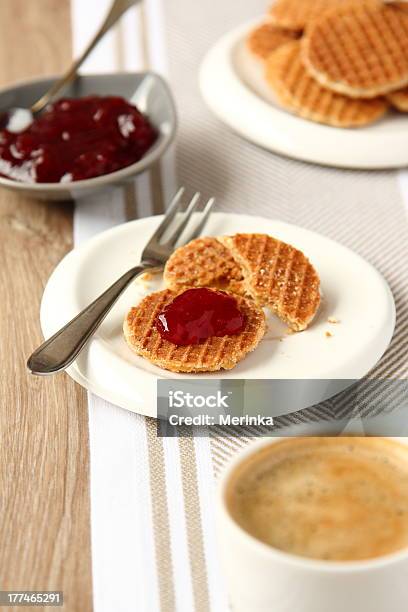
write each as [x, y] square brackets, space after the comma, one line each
[59, 351]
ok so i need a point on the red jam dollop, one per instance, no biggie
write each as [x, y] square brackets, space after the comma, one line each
[198, 314]
[76, 139]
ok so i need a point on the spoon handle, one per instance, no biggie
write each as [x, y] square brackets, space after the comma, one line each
[59, 351]
[116, 11]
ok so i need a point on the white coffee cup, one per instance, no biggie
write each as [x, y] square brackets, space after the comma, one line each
[263, 579]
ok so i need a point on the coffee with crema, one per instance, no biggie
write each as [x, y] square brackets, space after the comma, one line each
[335, 499]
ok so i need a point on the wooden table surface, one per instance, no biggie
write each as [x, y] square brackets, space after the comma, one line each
[44, 458]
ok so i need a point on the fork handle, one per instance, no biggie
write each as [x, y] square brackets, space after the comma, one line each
[115, 12]
[59, 351]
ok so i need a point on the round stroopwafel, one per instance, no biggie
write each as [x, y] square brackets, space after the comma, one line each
[297, 14]
[277, 276]
[266, 38]
[203, 262]
[399, 99]
[360, 49]
[297, 91]
[215, 353]
[400, 5]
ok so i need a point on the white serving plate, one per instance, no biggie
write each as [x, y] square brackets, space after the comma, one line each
[354, 292]
[233, 87]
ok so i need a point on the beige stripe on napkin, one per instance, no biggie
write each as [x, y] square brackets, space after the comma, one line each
[193, 519]
[160, 511]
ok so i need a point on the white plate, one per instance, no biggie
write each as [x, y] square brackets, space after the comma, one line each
[353, 291]
[233, 88]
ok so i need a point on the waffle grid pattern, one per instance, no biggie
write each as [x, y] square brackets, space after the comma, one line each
[360, 50]
[297, 91]
[203, 262]
[297, 14]
[268, 37]
[278, 276]
[214, 354]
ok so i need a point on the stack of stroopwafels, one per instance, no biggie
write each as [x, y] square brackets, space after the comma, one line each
[338, 62]
[257, 269]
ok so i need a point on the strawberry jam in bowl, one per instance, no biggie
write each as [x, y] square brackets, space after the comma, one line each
[76, 139]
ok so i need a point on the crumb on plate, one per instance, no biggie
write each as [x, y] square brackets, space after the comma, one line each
[333, 320]
[146, 276]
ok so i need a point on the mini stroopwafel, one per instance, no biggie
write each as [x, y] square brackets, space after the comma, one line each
[403, 6]
[277, 276]
[268, 37]
[297, 91]
[213, 354]
[360, 50]
[399, 99]
[203, 262]
[297, 14]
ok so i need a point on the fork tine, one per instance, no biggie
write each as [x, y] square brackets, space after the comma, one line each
[186, 218]
[203, 220]
[170, 214]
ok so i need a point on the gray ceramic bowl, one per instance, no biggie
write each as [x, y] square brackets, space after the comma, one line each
[145, 89]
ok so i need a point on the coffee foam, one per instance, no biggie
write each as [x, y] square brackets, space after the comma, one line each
[336, 499]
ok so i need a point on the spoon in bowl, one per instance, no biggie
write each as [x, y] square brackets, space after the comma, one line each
[18, 119]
